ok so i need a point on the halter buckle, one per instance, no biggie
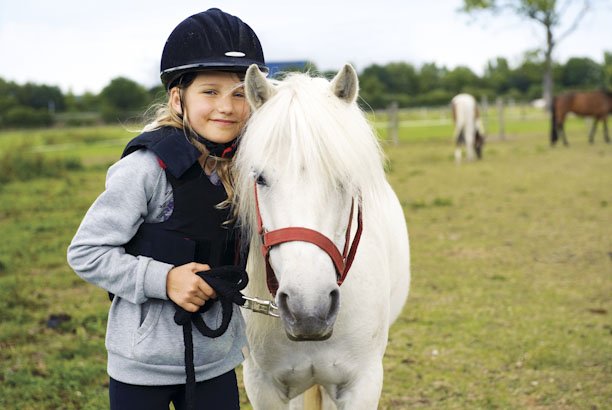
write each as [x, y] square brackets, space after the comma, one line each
[266, 307]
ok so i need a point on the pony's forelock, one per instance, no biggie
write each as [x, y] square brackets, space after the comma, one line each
[307, 134]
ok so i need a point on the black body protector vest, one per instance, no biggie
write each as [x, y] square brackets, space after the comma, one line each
[194, 232]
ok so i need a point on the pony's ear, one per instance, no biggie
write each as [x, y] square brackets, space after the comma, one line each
[345, 84]
[258, 89]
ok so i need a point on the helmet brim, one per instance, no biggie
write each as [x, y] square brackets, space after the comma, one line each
[170, 75]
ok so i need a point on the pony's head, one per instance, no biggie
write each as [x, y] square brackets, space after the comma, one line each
[308, 152]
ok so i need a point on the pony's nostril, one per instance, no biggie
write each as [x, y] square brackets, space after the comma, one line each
[334, 303]
[282, 299]
[283, 304]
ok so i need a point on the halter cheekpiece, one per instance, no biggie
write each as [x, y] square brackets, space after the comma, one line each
[342, 262]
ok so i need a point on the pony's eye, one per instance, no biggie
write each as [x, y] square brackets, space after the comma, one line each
[261, 180]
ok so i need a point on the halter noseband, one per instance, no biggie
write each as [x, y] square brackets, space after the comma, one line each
[342, 263]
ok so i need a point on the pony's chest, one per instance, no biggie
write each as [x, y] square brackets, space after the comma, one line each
[325, 364]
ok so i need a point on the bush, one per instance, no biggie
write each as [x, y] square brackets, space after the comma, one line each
[26, 117]
[20, 164]
[436, 97]
[81, 122]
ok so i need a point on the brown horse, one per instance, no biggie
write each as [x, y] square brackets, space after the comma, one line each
[596, 104]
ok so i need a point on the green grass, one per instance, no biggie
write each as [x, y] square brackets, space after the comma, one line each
[510, 303]
[512, 288]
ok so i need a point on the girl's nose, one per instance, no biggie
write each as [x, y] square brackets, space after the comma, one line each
[225, 104]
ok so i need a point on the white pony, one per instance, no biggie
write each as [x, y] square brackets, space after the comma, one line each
[307, 154]
[468, 126]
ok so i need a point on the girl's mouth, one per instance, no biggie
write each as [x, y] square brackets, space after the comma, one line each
[224, 122]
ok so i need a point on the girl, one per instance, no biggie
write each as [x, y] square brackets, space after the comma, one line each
[163, 218]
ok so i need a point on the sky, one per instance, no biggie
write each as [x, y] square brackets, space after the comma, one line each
[81, 45]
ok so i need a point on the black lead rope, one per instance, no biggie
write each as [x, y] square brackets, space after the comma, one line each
[227, 281]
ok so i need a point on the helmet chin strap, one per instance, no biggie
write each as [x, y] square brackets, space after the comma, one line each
[216, 149]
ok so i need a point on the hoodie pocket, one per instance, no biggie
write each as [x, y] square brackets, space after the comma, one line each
[159, 340]
[151, 317]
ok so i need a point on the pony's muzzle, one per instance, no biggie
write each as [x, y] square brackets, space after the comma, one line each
[312, 321]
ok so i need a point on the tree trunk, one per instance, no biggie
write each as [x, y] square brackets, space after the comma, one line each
[548, 81]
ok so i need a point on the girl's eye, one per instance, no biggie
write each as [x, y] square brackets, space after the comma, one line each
[210, 92]
[239, 95]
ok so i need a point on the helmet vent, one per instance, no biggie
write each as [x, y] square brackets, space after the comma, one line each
[235, 54]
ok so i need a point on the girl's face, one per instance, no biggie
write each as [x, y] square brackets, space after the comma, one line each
[216, 108]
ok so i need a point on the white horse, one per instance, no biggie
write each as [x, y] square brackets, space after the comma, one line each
[307, 154]
[468, 126]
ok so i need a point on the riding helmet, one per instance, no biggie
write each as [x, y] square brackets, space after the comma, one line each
[211, 39]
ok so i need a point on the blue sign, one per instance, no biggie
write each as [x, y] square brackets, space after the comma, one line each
[280, 66]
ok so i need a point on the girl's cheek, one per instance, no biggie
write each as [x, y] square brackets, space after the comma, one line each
[246, 111]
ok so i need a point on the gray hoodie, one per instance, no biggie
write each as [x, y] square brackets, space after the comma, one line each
[145, 345]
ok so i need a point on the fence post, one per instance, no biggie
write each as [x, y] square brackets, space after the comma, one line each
[485, 112]
[393, 122]
[500, 113]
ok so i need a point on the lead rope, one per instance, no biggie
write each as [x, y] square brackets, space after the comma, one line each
[227, 281]
[189, 367]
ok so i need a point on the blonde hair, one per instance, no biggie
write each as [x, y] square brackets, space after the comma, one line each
[163, 115]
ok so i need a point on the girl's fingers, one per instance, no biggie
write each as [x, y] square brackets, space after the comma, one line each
[190, 307]
[207, 290]
[199, 300]
[200, 267]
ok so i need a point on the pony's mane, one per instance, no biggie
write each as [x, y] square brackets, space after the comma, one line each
[307, 133]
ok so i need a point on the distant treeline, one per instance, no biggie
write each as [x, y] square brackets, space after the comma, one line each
[34, 105]
[432, 85]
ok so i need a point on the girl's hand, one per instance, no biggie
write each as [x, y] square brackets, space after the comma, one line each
[187, 289]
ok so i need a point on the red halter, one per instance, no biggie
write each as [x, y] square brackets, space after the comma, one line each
[342, 263]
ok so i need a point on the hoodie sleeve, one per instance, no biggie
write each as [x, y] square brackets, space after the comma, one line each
[96, 253]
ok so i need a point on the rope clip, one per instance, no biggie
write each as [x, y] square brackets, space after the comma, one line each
[266, 307]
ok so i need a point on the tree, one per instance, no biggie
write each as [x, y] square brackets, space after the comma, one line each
[158, 94]
[125, 94]
[607, 67]
[497, 75]
[461, 78]
[41, 97]
[528, 74]
[7, 96]
[430, 77]
[582, 72]
[371, 92]
[89, 102]
[122, 98]
[402, 78]
[548, 13]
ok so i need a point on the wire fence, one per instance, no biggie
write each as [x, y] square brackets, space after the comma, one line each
[494, 116]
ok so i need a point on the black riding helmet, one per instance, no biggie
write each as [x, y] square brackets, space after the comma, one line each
[211, 39]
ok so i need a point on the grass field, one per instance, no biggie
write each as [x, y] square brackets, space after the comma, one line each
[510, 304]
